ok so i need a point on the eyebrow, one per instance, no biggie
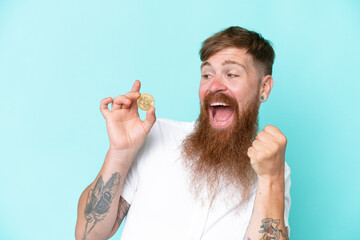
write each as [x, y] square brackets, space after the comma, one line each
[227, 62]
[206, 63]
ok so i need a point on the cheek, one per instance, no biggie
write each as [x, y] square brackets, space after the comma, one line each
[240, 94]
[243, 97]
[244, 93]
[202, 91]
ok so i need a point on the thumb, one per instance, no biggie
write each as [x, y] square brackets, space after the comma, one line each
[150, 119]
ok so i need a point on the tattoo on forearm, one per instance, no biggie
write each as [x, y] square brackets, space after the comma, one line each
[123, 210]
[99, 200]
[270, 228]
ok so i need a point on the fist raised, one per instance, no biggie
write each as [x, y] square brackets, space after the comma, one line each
[267, 153]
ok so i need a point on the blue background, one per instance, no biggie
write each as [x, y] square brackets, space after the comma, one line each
[58, 59]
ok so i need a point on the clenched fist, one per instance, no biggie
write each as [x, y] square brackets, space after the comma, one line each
[267, 153]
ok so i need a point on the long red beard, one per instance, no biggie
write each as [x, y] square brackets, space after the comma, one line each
[215, 156]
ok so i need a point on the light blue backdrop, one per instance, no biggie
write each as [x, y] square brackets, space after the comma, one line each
[58, 59]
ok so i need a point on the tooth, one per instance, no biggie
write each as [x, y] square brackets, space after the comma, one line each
[218, 104]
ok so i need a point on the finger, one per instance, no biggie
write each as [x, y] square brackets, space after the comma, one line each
[258, 145]
[276, 133]
[104, 106]
[264, 137]
[133, 96]
[251, 152]
[120, 102]
[136, 86]
[272, 130]
[150, 119]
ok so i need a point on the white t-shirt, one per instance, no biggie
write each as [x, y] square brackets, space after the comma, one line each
[162, 205]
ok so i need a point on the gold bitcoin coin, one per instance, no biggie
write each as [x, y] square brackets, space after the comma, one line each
[145, 101]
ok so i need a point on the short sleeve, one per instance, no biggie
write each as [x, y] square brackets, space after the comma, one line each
[132, 178]
[130, 184]
[138, 166]
[287, 201]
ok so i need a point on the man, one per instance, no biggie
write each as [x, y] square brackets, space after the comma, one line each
[215, 178]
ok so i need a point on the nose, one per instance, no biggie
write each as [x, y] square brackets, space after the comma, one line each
[216, 85]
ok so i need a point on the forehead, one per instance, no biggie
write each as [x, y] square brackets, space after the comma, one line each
[239, 55]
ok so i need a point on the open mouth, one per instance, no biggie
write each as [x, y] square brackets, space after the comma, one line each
[221, 114]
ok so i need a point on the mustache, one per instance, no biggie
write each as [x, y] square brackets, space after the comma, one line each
[219, 97]
[218, 157]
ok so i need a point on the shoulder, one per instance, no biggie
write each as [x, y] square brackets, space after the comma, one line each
[162, 144]
[287, 171]
[171, 128]
[176, 125]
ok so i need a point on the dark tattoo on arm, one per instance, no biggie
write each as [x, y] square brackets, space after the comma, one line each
[123, 210]
[99, 200]
[270, 228]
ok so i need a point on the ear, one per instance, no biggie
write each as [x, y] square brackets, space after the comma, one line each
[266, 85]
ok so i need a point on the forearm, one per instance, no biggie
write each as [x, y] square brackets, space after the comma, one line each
[98, 204]
[267, 219]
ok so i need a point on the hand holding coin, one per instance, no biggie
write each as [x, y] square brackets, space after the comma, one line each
[145, 101]
[125, 128]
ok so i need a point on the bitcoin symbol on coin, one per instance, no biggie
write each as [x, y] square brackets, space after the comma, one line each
[145, 101]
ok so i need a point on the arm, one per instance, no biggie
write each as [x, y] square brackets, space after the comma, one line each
[122, 212]
[99, 203]
[267, 156]
[267, 219]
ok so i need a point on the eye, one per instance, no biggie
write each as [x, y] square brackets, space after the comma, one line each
[205, 76]
[231, 75]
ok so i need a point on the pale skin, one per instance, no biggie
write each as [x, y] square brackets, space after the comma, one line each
[231, 71]
[267, 156]
[126, 133]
